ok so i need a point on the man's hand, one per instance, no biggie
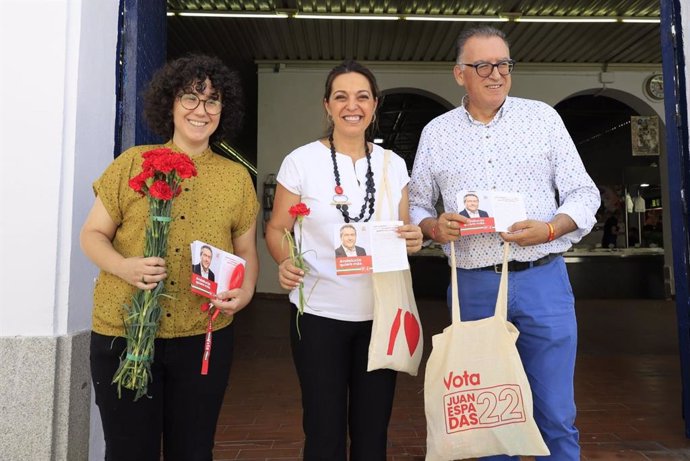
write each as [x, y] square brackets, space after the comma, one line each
[445, 228]
[527, 233]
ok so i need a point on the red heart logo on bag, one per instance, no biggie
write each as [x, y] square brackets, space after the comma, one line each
[412, 331]
[394, 332]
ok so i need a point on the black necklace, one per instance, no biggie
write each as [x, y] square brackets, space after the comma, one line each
[370, 190]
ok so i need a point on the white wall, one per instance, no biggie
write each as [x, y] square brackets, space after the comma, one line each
[94, 141]
[290, 112]
[57, 98]
[32, 92]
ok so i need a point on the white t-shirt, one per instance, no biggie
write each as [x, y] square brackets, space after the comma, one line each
[308, 172]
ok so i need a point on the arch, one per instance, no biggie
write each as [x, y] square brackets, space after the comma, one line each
[420, 92]
[595, 136]
[636, 103]
[403, 112]
[610, 162]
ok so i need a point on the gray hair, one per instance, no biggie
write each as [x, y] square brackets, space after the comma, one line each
[480, 31]
[347, 226]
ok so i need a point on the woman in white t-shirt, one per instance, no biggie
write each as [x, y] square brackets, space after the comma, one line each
[336, 177]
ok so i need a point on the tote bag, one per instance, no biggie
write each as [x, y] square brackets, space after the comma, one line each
[396, 335]
[477, 399]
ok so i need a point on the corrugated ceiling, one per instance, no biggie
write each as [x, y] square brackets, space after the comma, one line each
[242, 41]
[303, 39]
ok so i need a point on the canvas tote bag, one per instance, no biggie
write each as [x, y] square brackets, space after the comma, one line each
[396, 335]
[477, 398]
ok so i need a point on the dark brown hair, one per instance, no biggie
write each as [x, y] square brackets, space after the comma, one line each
[346, 67]
[188, 74]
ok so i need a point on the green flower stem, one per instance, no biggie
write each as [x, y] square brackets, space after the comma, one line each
[297, 259]
[143, 316]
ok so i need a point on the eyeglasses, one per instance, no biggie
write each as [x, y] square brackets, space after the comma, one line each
[484, 69]
[190, 101]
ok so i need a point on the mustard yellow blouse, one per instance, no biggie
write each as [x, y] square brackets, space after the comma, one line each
[216, 206]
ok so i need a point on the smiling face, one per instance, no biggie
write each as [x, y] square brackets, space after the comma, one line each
[486, 94]
[193, 128]
[348, 236]
[206, 257]
[471, 203]
[351, 104]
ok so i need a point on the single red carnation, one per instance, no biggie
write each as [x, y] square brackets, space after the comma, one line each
[299, 210]
[138, 183]
[165, 164]
[160, 190]
[184, 166]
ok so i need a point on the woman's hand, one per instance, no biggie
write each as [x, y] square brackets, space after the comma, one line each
[413, 237]
[96, 239]
[289, 275]
[232, 301]
[143, 273]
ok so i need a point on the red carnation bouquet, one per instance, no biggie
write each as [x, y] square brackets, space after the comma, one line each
[299, 212]
[163, 170]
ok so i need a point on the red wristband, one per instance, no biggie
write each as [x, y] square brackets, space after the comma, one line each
[433, 231]
[552, 232]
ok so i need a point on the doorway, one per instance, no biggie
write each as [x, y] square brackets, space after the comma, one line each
[628, 237]
[402, 115]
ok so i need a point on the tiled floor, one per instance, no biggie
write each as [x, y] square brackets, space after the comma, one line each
[627, 383]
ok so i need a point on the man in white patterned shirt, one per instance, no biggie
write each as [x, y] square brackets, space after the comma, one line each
[496, 142]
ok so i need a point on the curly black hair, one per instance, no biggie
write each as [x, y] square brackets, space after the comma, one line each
[187, 74]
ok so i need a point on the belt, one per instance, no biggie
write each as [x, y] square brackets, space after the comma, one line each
[516, 266]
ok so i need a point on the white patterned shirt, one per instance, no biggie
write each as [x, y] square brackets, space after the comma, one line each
[525, 149]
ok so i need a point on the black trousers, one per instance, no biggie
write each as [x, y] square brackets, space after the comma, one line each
[338, 394]
[182, 406]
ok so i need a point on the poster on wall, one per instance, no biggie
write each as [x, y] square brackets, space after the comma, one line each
[645, 135]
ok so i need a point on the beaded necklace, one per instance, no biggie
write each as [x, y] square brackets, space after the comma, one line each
[369, 193]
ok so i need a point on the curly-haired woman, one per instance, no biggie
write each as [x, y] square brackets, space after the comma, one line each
[192, 101]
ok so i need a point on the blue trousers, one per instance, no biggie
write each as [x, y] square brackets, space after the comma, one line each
[542, 307]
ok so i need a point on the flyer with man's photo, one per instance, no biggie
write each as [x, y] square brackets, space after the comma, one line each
[214, 270]
[489, 211]
[375, 246]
